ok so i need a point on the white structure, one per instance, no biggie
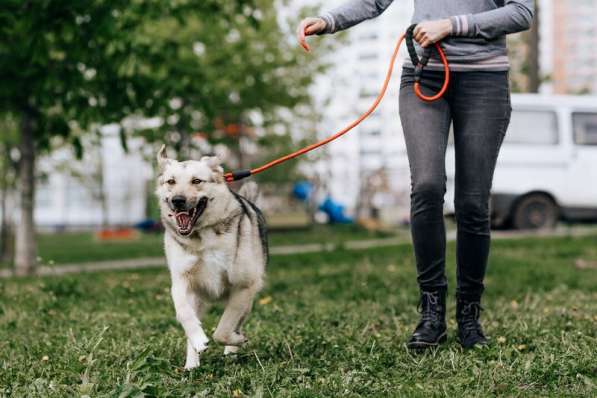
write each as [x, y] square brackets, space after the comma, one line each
[68, 196]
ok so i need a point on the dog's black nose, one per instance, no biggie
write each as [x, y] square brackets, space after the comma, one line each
[179, 201]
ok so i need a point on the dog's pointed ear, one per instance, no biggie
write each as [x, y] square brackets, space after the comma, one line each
[162, 158]
[215, 164]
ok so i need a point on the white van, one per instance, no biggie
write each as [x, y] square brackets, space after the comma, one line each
[547, 167]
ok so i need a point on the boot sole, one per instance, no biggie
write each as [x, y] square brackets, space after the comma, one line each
[423, 345]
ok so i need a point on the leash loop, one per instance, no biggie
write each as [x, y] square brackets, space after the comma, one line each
[420, 64]
[410, 44]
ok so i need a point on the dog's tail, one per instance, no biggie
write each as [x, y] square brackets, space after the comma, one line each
[249, 191]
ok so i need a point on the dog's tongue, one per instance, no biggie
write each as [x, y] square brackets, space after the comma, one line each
[183, 220]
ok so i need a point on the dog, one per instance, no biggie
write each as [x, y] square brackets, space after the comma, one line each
[216, 248]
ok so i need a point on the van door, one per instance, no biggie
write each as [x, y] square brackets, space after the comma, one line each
[583, 176]
[534, 155]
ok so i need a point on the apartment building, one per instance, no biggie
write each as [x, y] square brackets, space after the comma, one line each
[574, 43]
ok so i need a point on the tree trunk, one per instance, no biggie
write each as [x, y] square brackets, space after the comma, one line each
[25, 243]
[3, 222]
[5, 233]
[240, 155]
[104, 205]
[103, 199]
[533, 44]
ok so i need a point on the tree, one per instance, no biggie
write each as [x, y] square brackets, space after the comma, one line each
[532, 39]
[525, 70]
[241, 73]
[8, 134]
[68, 65]
[199, 65]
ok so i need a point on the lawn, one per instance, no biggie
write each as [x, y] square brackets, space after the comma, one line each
[330, 324]
[81, 247]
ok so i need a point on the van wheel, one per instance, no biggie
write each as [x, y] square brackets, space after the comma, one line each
[535, 211]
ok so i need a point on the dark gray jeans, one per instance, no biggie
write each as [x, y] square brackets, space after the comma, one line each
[478, 106]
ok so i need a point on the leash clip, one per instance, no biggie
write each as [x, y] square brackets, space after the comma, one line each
[237, 175]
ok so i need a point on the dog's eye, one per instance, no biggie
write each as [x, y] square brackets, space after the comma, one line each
[171, 181]
[196, 181]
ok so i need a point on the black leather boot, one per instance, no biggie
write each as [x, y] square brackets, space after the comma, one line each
[470, 332]
[431, 329]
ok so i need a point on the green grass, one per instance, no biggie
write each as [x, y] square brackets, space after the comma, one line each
[82, 247]
[335, 326]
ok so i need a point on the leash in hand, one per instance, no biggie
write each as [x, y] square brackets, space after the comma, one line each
[419, 65]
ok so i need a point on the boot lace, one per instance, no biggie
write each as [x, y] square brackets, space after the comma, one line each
[428, 307]
[470, 318]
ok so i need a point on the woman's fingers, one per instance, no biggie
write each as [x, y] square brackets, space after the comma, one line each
[420, 36]
[308, 27]
[418, 31]
[428, 32]
[301, 35]
[313, 28]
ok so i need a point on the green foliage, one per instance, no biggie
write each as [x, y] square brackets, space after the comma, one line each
[334, 325]
[62, 63]
[229, 79]
[195, 63]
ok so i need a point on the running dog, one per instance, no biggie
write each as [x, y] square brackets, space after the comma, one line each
[216, 248]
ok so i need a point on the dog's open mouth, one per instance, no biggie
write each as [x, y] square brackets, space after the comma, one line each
[185, 220]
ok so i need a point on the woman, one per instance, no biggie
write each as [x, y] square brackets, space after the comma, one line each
[477, 103]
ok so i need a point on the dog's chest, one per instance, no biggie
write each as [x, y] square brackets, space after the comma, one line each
[209, 275]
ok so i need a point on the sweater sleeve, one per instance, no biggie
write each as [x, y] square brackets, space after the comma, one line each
[352, 13]
[514, 16]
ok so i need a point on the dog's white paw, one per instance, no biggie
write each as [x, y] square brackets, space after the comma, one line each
[230, 349]
[199, 342]
[191, 363]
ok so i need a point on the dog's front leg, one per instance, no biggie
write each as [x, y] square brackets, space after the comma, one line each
[185, 302]
[238, 307]
[192, 360]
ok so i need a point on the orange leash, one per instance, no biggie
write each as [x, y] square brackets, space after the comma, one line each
[239, 175]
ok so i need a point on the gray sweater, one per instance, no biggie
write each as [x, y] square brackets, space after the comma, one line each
[479, 27]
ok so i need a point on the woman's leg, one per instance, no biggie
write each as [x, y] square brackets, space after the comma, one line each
[481, 113]
[426, 128]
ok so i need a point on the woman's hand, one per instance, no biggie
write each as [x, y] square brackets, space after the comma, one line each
[307, 27]
[428, 32]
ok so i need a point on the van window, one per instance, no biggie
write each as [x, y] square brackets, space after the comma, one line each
[585, 128]
[532, 127]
